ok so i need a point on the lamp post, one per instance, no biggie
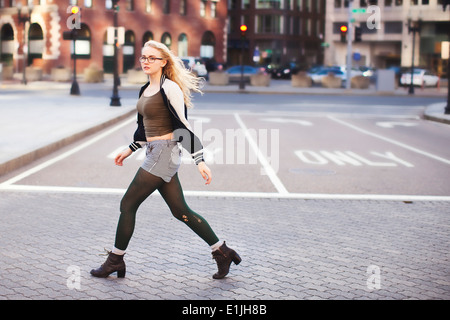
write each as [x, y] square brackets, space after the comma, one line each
[413, 28]
[24, 19]
[243, 29]
[447, 108]
[115, 99]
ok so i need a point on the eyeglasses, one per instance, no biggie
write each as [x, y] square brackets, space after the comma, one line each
[149, 59]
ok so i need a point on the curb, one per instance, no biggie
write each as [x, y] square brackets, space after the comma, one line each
[435, 112]
[29, 157]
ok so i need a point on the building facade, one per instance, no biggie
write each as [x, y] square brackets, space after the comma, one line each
[279, 31]
[187, 27]
[386, 40]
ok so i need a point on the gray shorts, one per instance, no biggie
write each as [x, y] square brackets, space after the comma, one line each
[163, 158]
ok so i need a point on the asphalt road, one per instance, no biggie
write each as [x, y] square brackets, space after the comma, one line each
[283, 145]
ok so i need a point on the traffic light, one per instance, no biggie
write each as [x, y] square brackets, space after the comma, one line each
[343, 30]
[358, 34]
[243, 29]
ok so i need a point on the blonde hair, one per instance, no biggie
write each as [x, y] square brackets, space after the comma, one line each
[176, 71]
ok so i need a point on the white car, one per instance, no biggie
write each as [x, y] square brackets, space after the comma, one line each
[421, 77]
[317, 76]
[196, 65]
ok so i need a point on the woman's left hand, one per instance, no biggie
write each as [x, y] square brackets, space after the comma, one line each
[205, 172]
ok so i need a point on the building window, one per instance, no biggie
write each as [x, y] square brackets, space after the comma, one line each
[166, 39]
[148, 6]
[208, 44]
[202, 8]
[245, 4]
[83, 43]
[182, 45]
[269, 4]
[387, 3]
[213, 11]
[337, 3]
[88, 3]
[393, 27]
[183, 7]
[166, 6]
[425, 2]
[269, 24]
[129, 5]
[108, 4]
[398, 2]
[147, 37]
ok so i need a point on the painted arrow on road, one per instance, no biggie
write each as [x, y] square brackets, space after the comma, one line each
[393, 124]
[281, 120]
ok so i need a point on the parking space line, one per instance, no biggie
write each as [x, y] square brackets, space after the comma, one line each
[228, 194]
[400, 144]
[66, 154]
[262, 159]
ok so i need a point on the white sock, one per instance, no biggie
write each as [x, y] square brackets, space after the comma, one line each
[118, 251]
[216, 246]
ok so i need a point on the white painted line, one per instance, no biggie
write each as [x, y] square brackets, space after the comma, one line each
[262, 159]
[400, 144]
[66, 154]
[226, 194]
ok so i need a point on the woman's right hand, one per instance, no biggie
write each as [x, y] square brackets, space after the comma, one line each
[122, 156]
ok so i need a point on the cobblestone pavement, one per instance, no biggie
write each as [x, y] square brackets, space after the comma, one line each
[291, 249]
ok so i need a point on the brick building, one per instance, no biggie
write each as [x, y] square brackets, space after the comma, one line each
[188, 27]
[279, 31]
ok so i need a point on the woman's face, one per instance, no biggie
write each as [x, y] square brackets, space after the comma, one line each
[154, 63]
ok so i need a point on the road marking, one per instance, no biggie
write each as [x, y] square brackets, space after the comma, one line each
[281, 120]
[262, 159]
[226, 194]
[391, 124]
[400, 144]
[48, 163]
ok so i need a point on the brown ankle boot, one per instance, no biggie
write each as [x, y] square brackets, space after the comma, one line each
[224, 256]
[113, 263]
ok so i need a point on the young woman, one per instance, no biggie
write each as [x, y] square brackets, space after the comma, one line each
[163, 128]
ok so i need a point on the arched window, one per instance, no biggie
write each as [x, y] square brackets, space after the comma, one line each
[208, 44]
[147, 37]
[7, 44]
[182, 45]
[35, 42]
[166, 39]
[128, 51]
[82, 43]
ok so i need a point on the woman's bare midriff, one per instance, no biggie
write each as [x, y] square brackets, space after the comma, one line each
[168, 136]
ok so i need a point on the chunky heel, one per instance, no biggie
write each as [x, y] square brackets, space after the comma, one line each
[237, 259]
[121, 273]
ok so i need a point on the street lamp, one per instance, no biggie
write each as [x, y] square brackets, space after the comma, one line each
[24, 19]
[115, 99]
[243, 29]
[413, 28]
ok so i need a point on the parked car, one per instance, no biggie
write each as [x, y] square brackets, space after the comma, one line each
[421, 77]
[317, 75]
[284, 71]
[234, 72]
[196, 65]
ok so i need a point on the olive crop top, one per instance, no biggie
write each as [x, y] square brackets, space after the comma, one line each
[156, 116]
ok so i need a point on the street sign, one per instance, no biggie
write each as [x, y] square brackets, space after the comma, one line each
[359, 10]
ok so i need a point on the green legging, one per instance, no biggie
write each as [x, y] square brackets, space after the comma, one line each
[143, 185]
